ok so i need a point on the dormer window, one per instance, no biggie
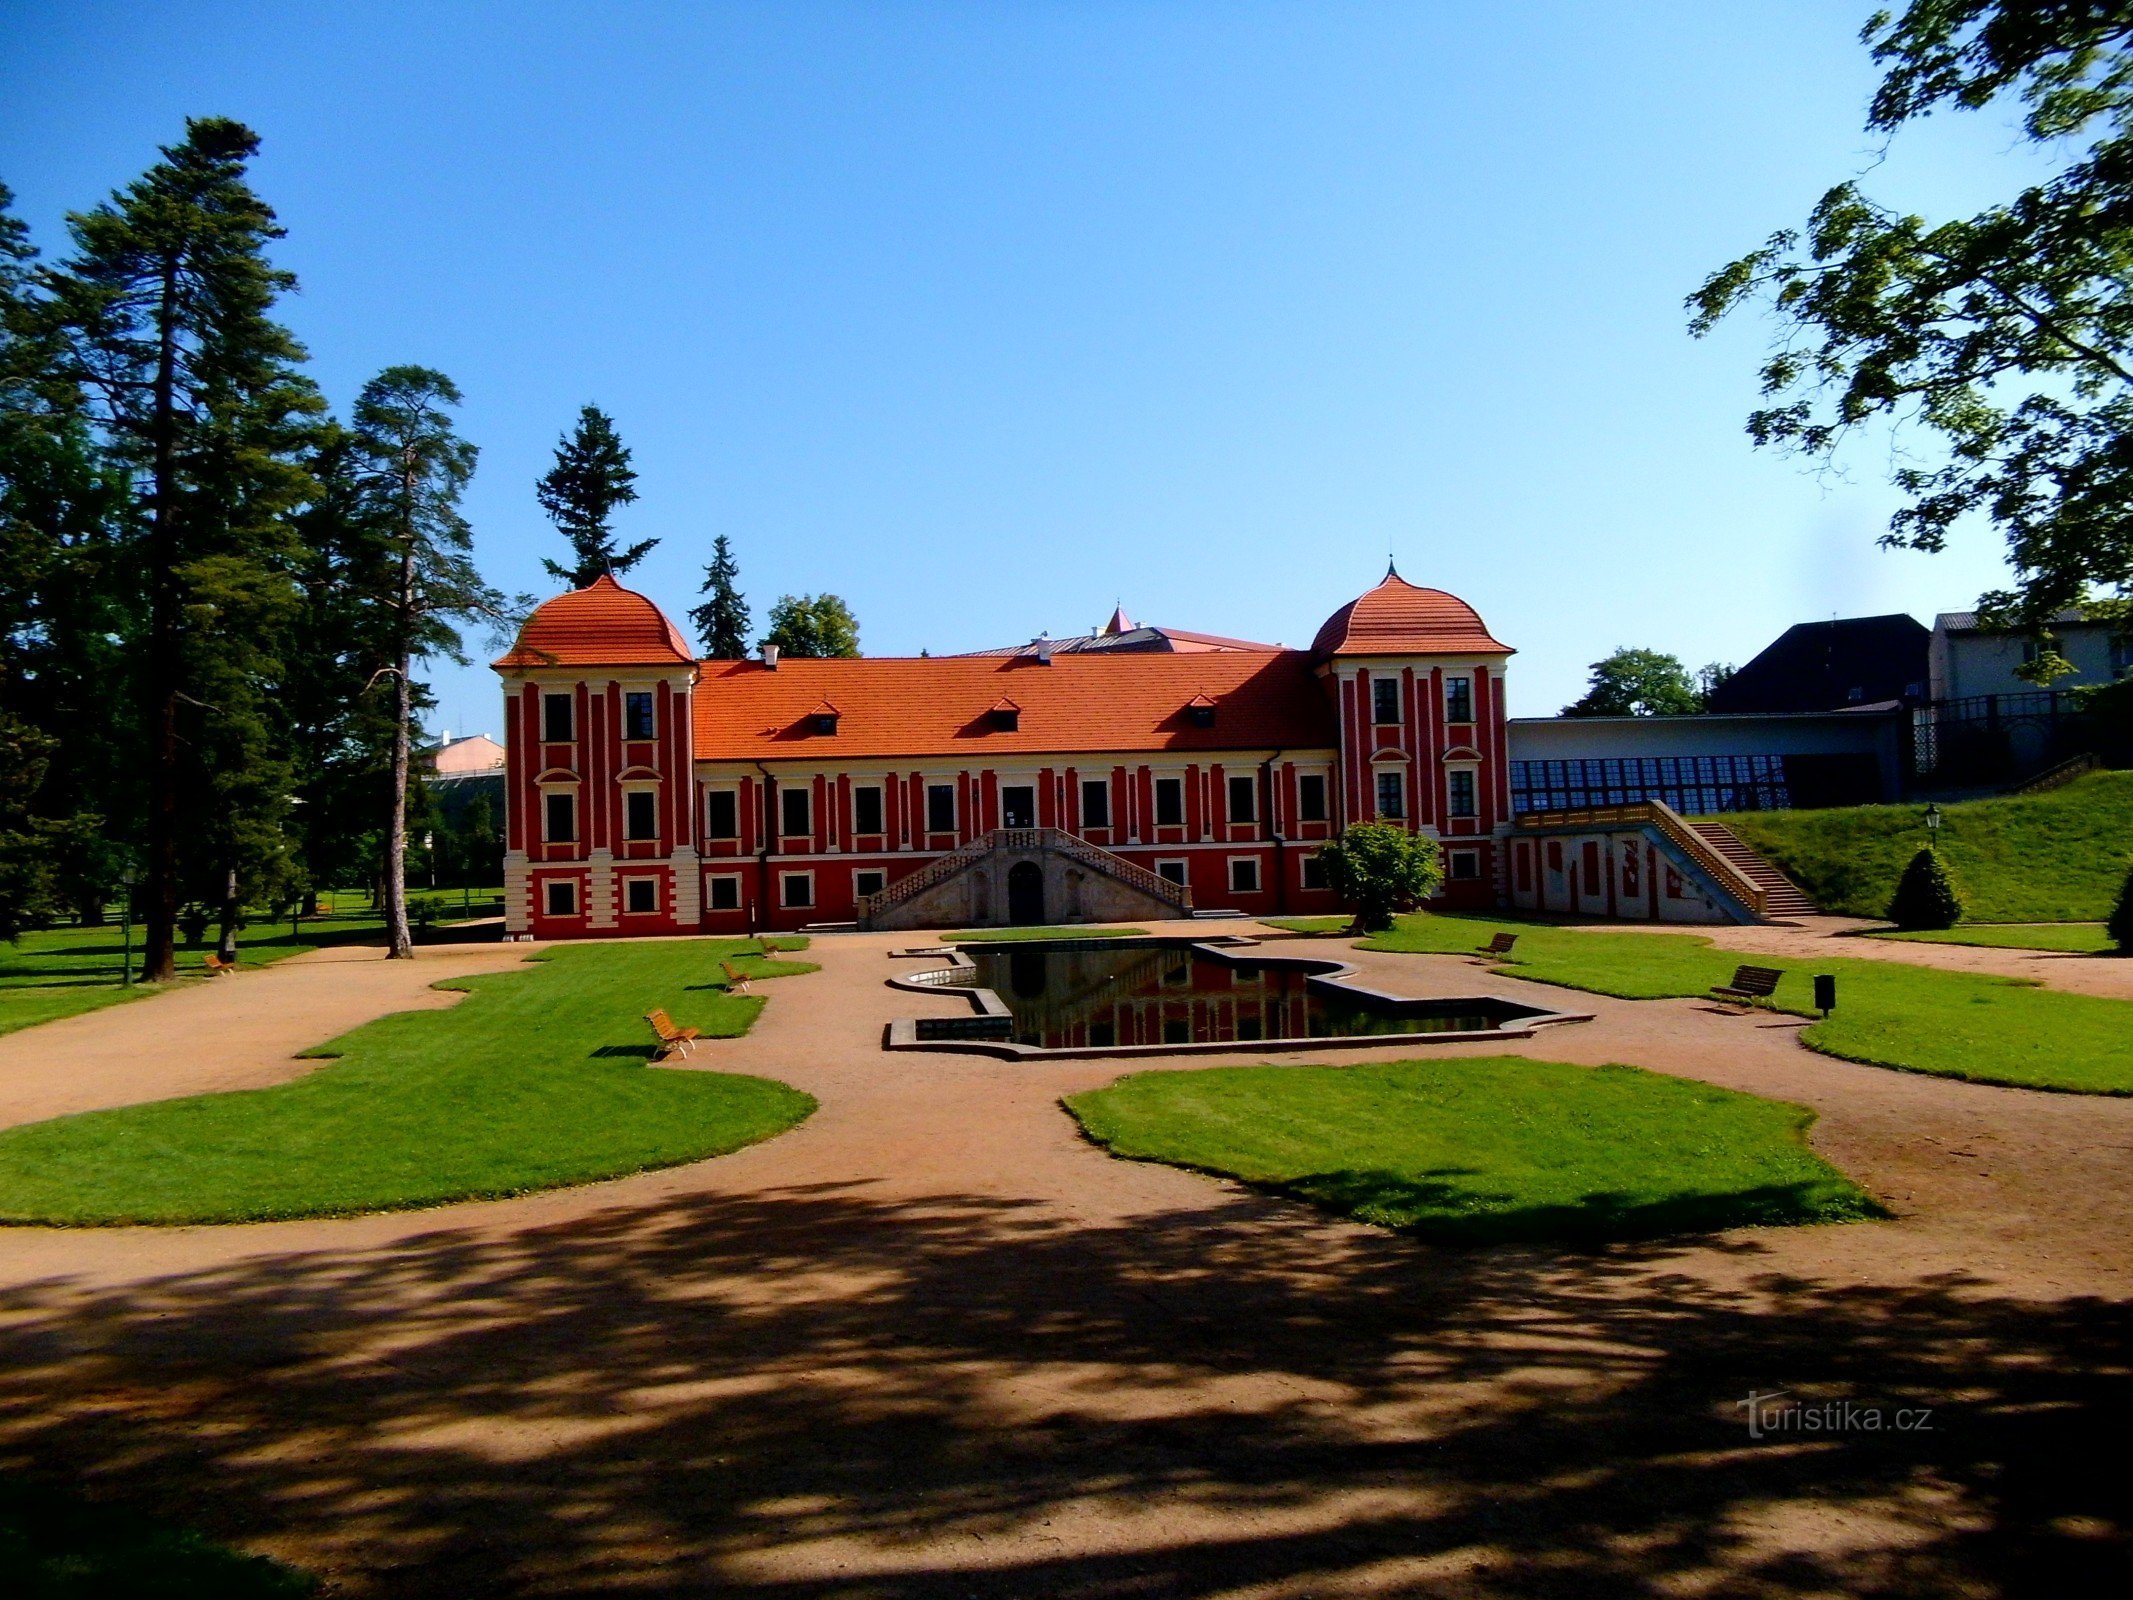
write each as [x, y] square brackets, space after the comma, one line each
[1005, 717]
[1200, 711]
[824, 718]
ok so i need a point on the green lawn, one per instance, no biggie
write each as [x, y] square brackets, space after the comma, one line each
[1889, 1014]
[1012, 935]
[62, 972]
[59, 1546]
[2080, 938]
[2059, 856]
[537, 1079]
[1309, 924]
[1488, 1148]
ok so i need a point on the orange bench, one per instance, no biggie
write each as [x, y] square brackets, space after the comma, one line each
[736, 980]
[671, 1038]
[217, 967]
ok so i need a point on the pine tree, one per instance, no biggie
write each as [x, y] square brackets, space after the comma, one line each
[591, 477]
[411, 469]
[722, 621]
[166, 307]
[1926, 896]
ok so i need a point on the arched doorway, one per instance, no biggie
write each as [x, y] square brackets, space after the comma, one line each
[1025, 893]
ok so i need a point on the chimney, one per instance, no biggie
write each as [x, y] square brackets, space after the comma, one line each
[1044, 650]
[770, 656]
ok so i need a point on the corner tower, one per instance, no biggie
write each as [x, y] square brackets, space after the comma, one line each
[1417, 682]
[599, 820]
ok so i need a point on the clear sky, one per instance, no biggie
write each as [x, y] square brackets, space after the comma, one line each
[987, 316]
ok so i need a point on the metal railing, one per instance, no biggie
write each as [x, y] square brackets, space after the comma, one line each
[1673, 826]
[1073, 846]
[2065, 772]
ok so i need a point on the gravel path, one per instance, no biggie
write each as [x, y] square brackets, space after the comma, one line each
[931, 1343]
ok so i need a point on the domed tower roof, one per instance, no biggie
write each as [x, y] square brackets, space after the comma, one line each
[603, 625]
[1399, 619]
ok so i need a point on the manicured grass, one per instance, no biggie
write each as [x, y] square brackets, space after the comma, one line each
[58, 1546]
[1486, 1148]
[1309, 924]
[537, 1079]
[1889, 1013]
[62, 972]
[2080, 938]
[1014, 935]
[2059, 856]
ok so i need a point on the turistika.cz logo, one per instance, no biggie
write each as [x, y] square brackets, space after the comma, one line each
[1773, 1413]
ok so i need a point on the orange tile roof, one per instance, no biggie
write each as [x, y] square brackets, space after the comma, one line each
[603, 625]
[921, 706]
[1397, 618]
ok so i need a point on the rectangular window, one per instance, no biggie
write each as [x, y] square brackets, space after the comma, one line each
[640, 894]
[1170, 802]
[726, 893]
[1018, 807]
[556, 717]
[940, 808]
[637, 714]
[722, 814]
[1463, 865]
[1384, 700]
[798, 889]
[1589, 862]
[1314, 872]
[866, 810]
[562, 897]
[2122, 655]
[1458, 699]
[1173, 870]
[1392, 795]
[1095, 803]
[1177, 1030]
[869, 881]
[1244, 875]
[795, 811]
[1311, 798]
[1459, 788]
[561, 811]
[1244, 799]
[640, 814]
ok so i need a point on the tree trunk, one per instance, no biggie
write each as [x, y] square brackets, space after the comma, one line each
[226, 947]
[401, 942]
[159, 958]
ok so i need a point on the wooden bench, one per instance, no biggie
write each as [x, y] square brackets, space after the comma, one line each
[1498, 946]
[217, 967]
[1749, 985]
[671, 1038]
[736, 980]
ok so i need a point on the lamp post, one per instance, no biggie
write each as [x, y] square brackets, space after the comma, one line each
[1932, 826]
[429, 848]
[126, 877]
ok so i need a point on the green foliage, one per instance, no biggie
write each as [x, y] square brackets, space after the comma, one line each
[1889, 1013]
[817, 626]
[537, 1079]
[1379, 869]
[2050, 857]
[60, 1546]
[1640, 683]
[25, 866]
[592, 475]
[2007, 337]
[1480, 1150]
[1925, 895]
[722, 621]
[2120, 924]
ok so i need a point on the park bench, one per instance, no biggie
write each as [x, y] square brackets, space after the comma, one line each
[671, 1038]
[1749, 985]
[736, 980]
[1498, 946]
[217, 967]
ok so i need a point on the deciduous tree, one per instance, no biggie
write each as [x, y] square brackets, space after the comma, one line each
[817, 625]
[1379, 870]
[1637, 683]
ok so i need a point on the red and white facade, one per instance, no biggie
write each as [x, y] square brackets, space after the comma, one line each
[649, 792]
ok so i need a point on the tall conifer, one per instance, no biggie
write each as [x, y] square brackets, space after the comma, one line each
[722, 621]
[167, 307]
[591, 477]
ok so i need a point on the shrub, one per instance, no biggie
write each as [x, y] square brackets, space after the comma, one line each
[1380, 870]
[426, 910]
[1926, 896]
[2120, 925]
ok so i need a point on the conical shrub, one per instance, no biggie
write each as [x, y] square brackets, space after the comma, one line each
[2120, 925]
[1926, 896]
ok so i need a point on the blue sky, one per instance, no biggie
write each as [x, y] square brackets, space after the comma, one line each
[987, 316]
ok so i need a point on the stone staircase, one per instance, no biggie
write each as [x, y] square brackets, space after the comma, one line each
[938, 895]
[1781, 896]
